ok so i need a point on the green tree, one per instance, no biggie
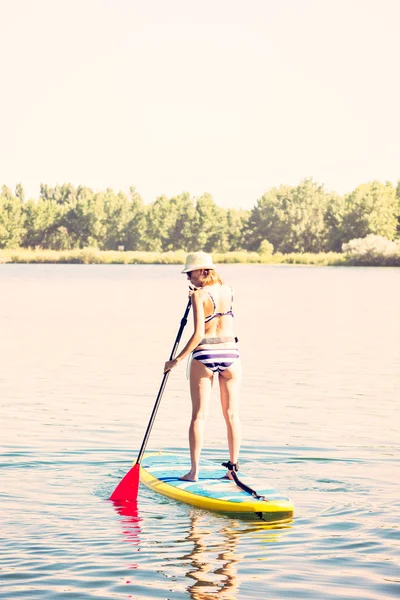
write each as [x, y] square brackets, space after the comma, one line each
[42, 218]
[301, 218]
[292, 219]
[371, 208]
[19, 192]
[160, 220]
[59, 239]
[47, 219]
[62, 194]
[84, 218]
[266, 220]
[209, 226]
[11, 219]
[182, 234]
[116, 219]
[170, 223]
[135, 230]
[182, 223]
[334, 216]
[236, 224]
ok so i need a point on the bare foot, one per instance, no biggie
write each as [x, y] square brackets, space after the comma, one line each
[191, 476]
[228, 475]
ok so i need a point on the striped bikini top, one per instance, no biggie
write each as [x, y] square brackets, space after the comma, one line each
[219, 314]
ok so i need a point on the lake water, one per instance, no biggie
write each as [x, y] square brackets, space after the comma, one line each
[81, 356]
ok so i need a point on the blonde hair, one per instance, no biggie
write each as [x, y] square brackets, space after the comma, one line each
[209, 277]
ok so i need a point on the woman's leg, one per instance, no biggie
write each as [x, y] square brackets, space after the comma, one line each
[200, 391]
[229, 383]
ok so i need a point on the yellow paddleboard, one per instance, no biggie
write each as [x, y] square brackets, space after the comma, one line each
[160, 472]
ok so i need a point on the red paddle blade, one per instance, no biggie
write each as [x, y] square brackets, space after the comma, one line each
[128, 487]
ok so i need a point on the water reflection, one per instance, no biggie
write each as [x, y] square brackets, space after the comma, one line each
[209, 580]
[130, 523]
[213, 562]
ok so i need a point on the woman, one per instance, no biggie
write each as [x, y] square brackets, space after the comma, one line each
[214, 350]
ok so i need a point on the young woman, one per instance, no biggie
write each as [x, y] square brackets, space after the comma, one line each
[215, 350]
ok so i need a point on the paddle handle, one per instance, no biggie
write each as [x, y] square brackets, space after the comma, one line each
[163, 384]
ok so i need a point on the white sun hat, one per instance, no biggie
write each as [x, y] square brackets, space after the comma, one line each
[198, 260]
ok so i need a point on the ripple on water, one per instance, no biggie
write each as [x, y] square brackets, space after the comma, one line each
[319, 398]
[63, 545]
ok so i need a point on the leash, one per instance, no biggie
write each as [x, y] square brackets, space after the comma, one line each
[233, 468]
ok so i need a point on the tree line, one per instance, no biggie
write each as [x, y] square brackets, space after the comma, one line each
[302, 218]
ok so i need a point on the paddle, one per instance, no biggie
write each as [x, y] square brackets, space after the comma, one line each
[128, 487]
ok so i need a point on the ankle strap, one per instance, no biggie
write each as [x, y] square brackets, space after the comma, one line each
[231, 466]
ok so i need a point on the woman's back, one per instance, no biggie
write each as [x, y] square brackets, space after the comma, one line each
[218, 310]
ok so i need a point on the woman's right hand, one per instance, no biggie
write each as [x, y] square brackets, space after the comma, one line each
[170, 364]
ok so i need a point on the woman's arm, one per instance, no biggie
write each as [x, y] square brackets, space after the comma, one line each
[197, 335]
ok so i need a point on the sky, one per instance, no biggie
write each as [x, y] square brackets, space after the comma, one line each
[224, 97]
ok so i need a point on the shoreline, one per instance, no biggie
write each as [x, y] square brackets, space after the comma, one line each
[108, 257]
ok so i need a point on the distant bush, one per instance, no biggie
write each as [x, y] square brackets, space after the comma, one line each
[311, 258]
[373, 250]
[266, 248]
[32, 256]
[241, 256]
[89, 256]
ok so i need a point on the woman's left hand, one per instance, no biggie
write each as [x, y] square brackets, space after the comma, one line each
[170, 364]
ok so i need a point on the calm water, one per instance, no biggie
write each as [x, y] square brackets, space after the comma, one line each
[81, 355]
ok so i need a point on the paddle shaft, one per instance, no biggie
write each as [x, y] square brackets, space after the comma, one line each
[163, 384]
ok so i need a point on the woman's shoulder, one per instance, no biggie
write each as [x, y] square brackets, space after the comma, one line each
[218, 288]
[200, 292]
